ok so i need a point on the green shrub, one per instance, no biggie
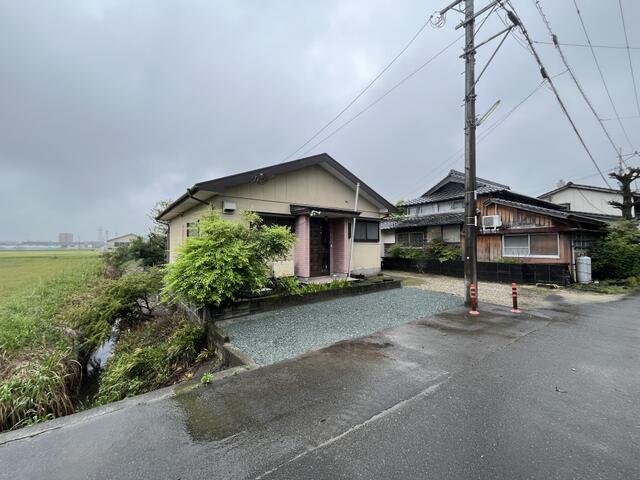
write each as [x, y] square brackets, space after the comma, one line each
[115, 259]
[186, 343]
[398, 251]
[438, 249]
[288, 286]
[149, 251]
[618, 255]
[291, 286]
[127, 299]
[226, 259]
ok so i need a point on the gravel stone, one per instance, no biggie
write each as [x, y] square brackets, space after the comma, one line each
[277, 335]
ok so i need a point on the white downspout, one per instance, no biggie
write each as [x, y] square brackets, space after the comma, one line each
[353, 229]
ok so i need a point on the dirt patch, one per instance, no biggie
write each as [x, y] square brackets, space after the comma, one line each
[529, 296]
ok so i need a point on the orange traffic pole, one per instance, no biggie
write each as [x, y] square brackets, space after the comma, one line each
[514, 296]
[474, 300]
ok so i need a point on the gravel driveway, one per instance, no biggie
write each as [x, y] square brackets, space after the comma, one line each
[529, 296]
[270, 337]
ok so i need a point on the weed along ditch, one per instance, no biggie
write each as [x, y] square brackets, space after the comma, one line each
[90, 335]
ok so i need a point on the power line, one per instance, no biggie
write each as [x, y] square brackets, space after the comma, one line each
[626, 39]
[544, 74]
[403, 80]
[554, 37]
[363, 91]
[584, 45]
[606, 87]
[449, 161]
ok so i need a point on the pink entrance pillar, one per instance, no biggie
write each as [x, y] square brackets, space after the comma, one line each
[339, 245]
[301, 250]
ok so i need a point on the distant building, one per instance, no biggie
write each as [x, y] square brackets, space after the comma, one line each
[590, 200]
[65, 237]
[121, 241]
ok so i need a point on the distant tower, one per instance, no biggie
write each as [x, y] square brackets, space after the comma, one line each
[100, 237]
[106, 235]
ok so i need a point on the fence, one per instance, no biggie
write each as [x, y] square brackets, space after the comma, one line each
[487, 271]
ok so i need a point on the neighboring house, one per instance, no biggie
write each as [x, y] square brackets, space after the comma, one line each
[121, 241]
[589, 200]
[511, 226]
[315, 196]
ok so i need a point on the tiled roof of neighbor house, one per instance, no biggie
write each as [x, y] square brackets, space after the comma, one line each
[452, 218]
[452, 187]
[562, 214]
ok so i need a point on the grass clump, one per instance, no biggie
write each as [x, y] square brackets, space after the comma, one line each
[610, 287]
[39, 389]
[150, 356]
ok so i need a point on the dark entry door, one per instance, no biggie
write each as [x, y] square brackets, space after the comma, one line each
[319, 247]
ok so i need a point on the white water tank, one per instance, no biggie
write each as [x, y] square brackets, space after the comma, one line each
[583, 269]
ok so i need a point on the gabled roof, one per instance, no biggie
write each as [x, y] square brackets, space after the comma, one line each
[450, 218]
[579, 186]
[451, 187]
[458, 177]
[123, 236]
[259, 175]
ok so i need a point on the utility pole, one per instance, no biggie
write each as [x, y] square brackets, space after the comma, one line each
[470, 218]
[470, 123]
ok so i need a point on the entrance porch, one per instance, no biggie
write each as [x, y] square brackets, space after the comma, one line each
[322, 249]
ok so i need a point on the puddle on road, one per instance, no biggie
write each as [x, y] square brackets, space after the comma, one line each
[208, 423]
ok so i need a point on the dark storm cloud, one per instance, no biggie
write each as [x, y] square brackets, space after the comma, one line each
[108, 106]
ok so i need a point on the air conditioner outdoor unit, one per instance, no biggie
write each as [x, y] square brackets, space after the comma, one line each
[228, 207]
[491, 221]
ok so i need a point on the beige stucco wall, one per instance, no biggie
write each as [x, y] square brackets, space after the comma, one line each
[366, 258]
[587, 201]
[310, 186]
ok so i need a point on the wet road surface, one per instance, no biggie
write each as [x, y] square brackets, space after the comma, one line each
[444, 397]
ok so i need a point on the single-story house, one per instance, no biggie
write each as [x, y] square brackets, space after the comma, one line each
[511, 226]
[315, 196]
[120, 241]
[590, 200]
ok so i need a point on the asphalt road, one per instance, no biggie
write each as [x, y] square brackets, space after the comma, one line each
[498, 397]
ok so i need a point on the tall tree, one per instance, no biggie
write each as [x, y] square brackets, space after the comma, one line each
[625, 178]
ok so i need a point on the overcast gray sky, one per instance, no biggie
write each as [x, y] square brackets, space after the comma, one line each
[107, 106]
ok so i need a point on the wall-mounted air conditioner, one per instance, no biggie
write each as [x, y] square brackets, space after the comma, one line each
[228, 207]
[491, 221]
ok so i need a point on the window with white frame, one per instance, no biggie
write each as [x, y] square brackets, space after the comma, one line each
[540, 245]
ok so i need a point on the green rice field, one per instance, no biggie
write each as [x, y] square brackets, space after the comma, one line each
[23, 271]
